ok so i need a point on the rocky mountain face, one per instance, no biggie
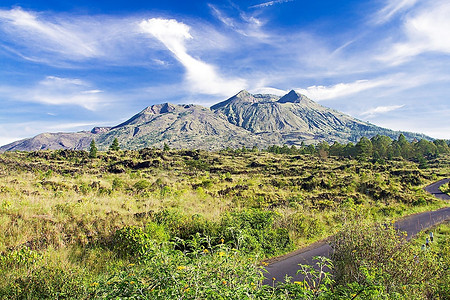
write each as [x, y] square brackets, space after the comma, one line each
[294, 118]
[243, 120]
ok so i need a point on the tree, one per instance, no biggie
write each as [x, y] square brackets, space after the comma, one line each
[115, 145]
[425, 148]
[337, 149]
[92, 149]
[442, 146]
[364, 148]
[405, 146]
[350, 150]
[166, 147]
[381, 145]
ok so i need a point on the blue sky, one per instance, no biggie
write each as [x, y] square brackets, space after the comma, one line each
[72, 65]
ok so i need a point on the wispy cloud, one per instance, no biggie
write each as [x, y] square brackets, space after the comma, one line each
[50, 36]
[391, 8]
[59, 39]
[381, 110]
[245, 24]
[425, 30]
[201, 76]
[319, 93]
[57, 91]
[270, 3]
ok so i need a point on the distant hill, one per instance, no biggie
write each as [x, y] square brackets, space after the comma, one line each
[243, 120]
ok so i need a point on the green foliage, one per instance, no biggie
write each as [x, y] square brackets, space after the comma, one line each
[21, 257]
[166, 147]
[183, 208]
[378, 259]
[253, 230]
[92, 149]
[378, 148]
[142, 185]
[205, 273]
[132, 241]
[42, 280]
[115, 145]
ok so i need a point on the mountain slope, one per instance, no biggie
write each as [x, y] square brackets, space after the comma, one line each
[242, 120]
[180, 126]
[296, 118]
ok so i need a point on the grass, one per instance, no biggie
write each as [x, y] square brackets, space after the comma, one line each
[60, 213]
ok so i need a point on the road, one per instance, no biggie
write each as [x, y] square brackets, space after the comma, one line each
[434, 189]
[288, 264]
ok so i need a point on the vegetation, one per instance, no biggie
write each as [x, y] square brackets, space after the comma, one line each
[377, 149]
[92, 149]
[445, 188]
[163, 224]
[115, 145]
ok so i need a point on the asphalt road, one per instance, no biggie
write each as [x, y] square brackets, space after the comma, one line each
[434, 189]
[288, 264]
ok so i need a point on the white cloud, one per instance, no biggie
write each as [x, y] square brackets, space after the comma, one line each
[246, 25]
[200, 76]
[270, 3]
[381, 110]
[66, 39]
[425, 30]
[57, 91]
[318, 93]
[52, 37]
[392, 8]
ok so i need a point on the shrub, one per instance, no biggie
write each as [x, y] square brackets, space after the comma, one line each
[46, 282]
[253, 230]
[142, 185]
[377, 256]
[132, 241]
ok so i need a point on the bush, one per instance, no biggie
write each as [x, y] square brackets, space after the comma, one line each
[253, 230]
[142, 185]
[378, 257]
[132, 241]
[46, 282]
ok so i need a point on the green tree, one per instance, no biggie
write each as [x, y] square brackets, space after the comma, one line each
[166, 147]
[381, 146]
[425, 148]
[337, 149]
[115, 145]
[442, 146]
[364, 148]
[350, 150]
[92, 149]
[404, 146]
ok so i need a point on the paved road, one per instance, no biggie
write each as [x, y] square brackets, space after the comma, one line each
[288, 264]
[434, 189]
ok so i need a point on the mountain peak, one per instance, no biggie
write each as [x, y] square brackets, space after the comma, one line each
[160, 108]
[293, 97]
[242, 94]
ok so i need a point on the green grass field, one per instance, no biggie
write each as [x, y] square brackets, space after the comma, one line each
[155, 224]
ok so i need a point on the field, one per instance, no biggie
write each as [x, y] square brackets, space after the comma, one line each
[192, 224]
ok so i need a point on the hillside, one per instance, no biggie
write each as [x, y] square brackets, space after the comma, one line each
[244, 120]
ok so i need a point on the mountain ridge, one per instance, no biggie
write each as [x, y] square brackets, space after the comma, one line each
[243, 120]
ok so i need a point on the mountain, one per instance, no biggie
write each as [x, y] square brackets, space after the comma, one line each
[180, 126]
[243, 120]
[294, 118]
